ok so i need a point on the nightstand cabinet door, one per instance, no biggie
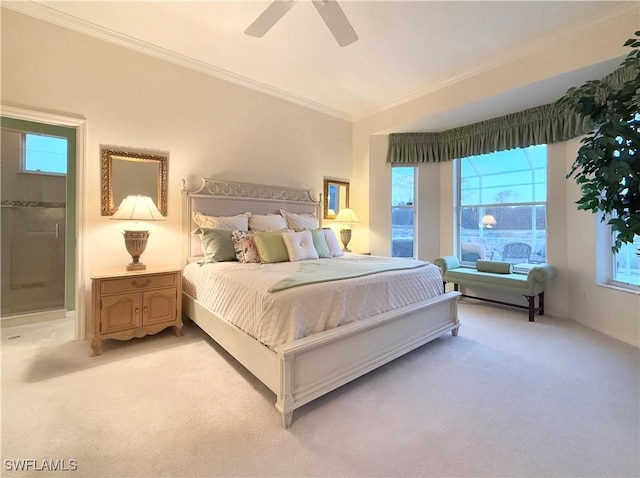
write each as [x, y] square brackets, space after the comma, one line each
[120, 312]
[159, 306]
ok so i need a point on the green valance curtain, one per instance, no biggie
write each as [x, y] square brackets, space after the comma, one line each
[541, 125]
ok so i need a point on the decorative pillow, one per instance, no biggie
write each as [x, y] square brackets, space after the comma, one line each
[300, 222]
[239, 222]
[332, 242]
[245, 246]
[267, 222]
[320, 243]
[299, 245]
[497, 267]
[217, 245]
[271, 247]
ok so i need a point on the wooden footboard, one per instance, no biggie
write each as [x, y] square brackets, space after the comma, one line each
[310, 367]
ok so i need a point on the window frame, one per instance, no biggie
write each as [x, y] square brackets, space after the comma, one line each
[458, 207]
[612, 269]
[412, 206]
[23, 156]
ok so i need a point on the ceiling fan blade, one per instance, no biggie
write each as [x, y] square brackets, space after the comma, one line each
[336, 20]
[269, 17]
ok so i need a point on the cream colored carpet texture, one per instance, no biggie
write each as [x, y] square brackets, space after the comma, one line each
[506, 398]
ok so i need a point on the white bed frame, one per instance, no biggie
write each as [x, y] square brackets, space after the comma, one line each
[303, 370]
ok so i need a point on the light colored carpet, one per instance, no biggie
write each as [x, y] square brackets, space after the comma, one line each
[504, 398]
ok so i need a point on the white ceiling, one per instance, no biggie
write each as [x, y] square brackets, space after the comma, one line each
[405, 49]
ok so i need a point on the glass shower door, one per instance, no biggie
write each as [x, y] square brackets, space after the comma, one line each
[33, 217]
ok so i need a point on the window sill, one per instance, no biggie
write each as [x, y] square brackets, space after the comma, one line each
[43, 173]
[630, 290]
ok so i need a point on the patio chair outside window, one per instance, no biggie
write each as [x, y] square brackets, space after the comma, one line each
[516, 252]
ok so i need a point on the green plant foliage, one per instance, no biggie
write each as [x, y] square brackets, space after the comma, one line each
[607, 167]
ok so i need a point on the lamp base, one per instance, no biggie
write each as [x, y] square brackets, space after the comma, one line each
[345, 237]
[136, 243]
[136, 266]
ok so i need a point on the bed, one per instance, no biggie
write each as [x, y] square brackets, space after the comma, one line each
[303, 362]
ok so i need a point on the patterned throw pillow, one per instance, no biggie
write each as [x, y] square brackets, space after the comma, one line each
[245, 246]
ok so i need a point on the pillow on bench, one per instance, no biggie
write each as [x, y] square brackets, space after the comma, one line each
[496, 267]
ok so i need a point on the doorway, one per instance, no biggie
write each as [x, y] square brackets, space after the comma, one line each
[37, 215]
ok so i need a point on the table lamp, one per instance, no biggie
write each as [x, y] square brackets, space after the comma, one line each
[346, 216]
[137, 208]
[488, 221]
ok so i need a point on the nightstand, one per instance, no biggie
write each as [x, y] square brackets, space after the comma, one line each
[135, 304]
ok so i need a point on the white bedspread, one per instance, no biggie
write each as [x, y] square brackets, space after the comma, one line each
[238, 293]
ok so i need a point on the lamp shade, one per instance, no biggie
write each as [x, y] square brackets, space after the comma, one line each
[138, 208]
[488, 221]
[347, 216]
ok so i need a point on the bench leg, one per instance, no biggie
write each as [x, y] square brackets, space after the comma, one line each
[444, 286]
[532, 307]
[541, 303]
[455, 286]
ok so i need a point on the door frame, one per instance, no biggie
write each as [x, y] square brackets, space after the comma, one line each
[79, 123]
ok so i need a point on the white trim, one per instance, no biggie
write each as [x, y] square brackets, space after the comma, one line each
[50, 15]
[79, 123]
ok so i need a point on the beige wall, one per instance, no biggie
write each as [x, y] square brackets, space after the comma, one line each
[210, 127]
[571, 244]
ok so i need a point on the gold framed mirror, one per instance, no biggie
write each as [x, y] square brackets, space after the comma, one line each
[336, 197]
[125, 173]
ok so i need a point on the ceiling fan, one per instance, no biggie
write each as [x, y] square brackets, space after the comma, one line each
[329, 10]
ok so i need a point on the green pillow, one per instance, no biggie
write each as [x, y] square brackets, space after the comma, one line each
[497, 267]
[271, 247]
[216, 245]
[320, 243]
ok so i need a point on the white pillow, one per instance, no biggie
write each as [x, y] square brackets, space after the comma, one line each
[332, 242]
[299, 245]
[226, 223]
[300, 222]
[267, 222]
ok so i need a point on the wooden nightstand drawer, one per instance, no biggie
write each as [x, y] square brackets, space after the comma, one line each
[145, 282]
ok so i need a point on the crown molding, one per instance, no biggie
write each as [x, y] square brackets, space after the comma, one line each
[50, 15]
[42, 12]
[616, 15]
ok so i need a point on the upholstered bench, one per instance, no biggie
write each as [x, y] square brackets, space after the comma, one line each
[499, 275]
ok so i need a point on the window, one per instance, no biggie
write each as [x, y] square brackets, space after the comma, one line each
[502, 206]
[403, 180]
[44, 154]
[626, 264]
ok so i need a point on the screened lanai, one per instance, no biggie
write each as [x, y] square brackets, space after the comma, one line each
[502, 207]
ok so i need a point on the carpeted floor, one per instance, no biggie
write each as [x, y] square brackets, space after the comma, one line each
[504, 398]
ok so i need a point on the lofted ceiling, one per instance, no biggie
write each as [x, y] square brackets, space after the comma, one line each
[405, 48]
